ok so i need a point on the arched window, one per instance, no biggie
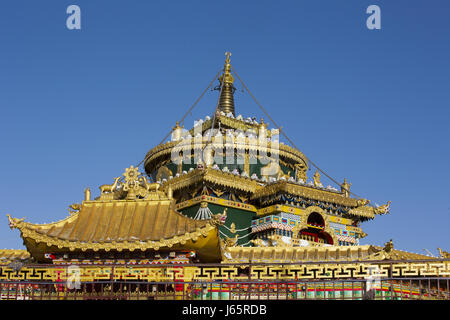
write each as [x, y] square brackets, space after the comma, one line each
[316, 220]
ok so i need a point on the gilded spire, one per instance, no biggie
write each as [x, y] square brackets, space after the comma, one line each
[226, 99]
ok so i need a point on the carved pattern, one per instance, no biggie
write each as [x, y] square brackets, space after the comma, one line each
[227, 272]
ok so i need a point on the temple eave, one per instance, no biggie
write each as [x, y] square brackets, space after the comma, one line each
[205, 242]
[314, 254]
[121, 225]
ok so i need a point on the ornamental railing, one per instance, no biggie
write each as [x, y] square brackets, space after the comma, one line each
[396, 280]
[386, 289]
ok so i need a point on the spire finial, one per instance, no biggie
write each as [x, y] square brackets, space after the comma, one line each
[227, 70]
[226, 99]
[227, 60]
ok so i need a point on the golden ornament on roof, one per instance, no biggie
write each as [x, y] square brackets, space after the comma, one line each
[87, 194]
[384, 209]
[106, 188]
[131, 174]
[345, 188]
[316, 179]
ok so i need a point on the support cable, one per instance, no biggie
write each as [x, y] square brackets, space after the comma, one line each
[282, 132]
[187, 112]
[237, 230]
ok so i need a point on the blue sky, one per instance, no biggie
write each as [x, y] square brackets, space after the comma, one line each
[372, 106]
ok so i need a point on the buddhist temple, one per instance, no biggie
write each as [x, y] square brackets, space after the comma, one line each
[225, 200]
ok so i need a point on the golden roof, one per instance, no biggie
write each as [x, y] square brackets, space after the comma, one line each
[258, 190]
[214, 176]
[10, 255]
[306, 191]
[396, 254]
[123, 225]
[295, 254]
[312, 254]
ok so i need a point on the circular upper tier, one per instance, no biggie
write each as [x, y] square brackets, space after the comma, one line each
[237, 145]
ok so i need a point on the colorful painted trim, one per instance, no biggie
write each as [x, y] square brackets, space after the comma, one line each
[298, 211]
[340, 220]
[346, 239]
[274, 222]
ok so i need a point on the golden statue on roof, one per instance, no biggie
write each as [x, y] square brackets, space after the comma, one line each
[345, 188]
[316, 179]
